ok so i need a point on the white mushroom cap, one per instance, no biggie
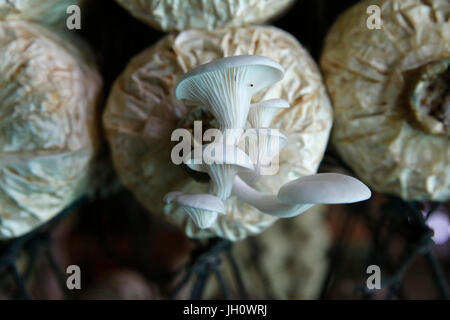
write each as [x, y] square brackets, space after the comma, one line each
[225, 86]
[202, 208]
[265, 71]
[222, 162]
[299, 195]
[218, 154]
[326, 188]
[261, 114]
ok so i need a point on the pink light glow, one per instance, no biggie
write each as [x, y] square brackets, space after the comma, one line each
[440, 223]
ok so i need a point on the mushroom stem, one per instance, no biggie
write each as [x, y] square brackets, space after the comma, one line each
[297, 196]
[222, 162]
[261, 114]
[262, 145]
[222, 177]
[268, 204]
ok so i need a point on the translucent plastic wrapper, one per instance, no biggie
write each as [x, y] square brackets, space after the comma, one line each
[43, 11]
[170, 15]
[142, 112]
[48, 125]
[391, 94]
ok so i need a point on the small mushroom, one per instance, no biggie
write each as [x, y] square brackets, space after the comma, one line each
[222, 162]
[299, 195]
[261, 114]
[202, 208]
[263, 145]
[226, 86]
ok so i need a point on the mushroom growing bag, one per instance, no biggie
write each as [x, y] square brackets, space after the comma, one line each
[43, 11]
[176, 15]
[48, 125]
[391, 94]
[142, 113]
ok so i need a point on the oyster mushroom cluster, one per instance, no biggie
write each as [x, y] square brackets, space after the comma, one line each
[143, 112]
[225, 88]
